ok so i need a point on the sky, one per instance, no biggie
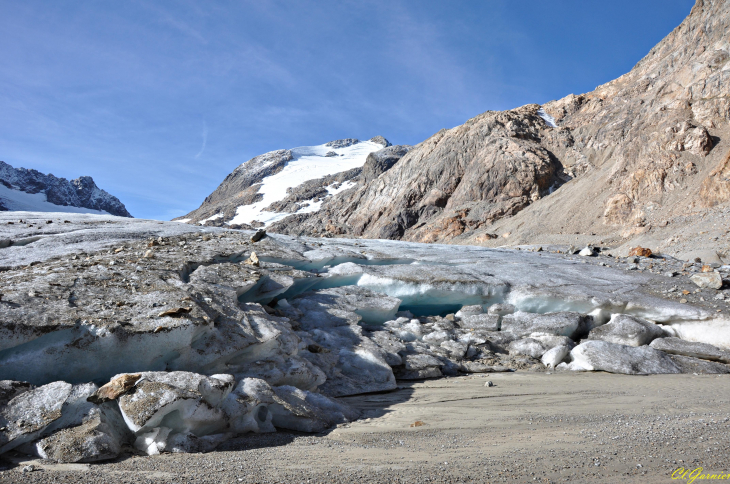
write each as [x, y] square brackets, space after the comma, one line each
[159, 100]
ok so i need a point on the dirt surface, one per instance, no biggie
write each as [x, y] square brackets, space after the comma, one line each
[528, 427]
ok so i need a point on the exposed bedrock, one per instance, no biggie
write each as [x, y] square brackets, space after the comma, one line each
[459, 179]
[81, 192]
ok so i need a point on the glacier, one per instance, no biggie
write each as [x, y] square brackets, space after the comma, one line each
[173, 338]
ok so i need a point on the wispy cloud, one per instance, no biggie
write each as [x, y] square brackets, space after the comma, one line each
[205, 139]
[175, 22]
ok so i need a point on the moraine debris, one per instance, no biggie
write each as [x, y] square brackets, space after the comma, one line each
[252, 260]
[116, 387]
[174, 313]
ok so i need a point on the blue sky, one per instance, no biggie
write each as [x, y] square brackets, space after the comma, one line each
[159, 101]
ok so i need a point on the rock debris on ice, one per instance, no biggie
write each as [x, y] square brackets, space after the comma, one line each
[183, 350]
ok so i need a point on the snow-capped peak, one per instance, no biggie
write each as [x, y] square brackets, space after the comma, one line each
[307, 163]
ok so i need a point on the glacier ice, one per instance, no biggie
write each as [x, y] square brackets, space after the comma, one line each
[227, 348]
[163, 411]
[615, 358]
[627, 330]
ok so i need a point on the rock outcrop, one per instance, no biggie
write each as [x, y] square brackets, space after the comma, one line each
[460, 179]
[241, 186]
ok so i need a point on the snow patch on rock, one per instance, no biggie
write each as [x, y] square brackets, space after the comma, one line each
[307, 163]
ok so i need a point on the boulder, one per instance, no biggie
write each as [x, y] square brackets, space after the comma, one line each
[627, 330]
[704, 351]
[260, 234]
[640, 252]
[587, 252]
[615, 358]
[707, 280]
[253, 260]
[116, 387]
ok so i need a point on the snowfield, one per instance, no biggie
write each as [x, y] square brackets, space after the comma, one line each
[309, 163]
[19, 201]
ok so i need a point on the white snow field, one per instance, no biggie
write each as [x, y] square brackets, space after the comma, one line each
[17, 200]
[308, 163]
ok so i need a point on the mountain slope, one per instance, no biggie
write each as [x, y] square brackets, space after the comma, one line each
[636, 155]
[30, 190]
[280, 183]
[652, 148]
[459, 179]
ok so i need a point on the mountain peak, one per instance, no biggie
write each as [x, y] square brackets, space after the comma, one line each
[30, 190]
[283, 183]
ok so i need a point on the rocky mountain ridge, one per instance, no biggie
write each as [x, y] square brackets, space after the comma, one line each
[437, 191]
[271, 186]
[59, 193]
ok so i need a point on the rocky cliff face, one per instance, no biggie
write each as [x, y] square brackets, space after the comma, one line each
[460, 179]
[656, 125]
[637, 154]
[81, 192]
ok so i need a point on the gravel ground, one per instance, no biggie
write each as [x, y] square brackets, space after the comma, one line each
[528, 427]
